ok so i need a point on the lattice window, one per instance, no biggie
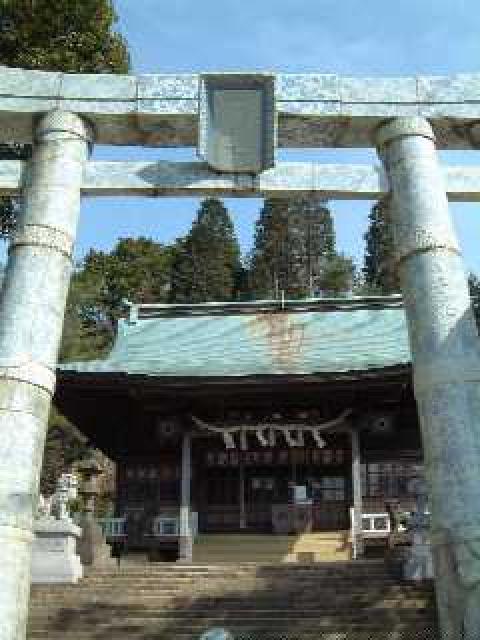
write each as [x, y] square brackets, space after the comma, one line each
[388, 479]
[329, 489]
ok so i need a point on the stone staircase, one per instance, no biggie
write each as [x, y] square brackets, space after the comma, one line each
[337, 601]
[305, 547]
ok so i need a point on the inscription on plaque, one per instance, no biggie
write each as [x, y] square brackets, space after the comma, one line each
[237, 127]
[236, 137]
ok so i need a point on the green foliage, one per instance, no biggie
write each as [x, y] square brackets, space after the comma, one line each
[136, 269]
[9, 207]
[139, 269]
[336, 276]
[379, 271]
[87, 332]
[206, 263]
[474, 287]
[294, 251]
[64, 445]
[64, 35]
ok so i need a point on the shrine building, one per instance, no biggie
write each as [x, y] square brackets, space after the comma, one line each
[274, 421]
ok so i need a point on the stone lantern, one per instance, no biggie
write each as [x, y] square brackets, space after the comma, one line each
[90, 469]
[92, 546]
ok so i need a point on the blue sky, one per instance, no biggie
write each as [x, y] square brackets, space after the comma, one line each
[357, 37]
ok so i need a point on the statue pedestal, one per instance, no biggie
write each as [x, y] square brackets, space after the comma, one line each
[92, 546]
[185, 549]
[54, 558]
[418, 564]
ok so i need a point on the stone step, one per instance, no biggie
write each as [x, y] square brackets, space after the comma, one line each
[277, 581]
[271, 579]
[256, 602]
[232, 591]
[113, 596]
[227, 591]
[260, 575]
[273, 569]
[294, 569]
[232, 606]
[412, 631]
[267, 539]
[92, 619]
[233, 596]
[228, 575]
[235, 603]
[260, 578]
[359, 564]
[238, 591]
[284, 634]
[257, 629]
[266, 624]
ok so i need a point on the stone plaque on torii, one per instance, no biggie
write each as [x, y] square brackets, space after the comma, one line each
[404, 118]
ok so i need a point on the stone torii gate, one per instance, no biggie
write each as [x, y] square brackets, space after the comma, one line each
[63, 115]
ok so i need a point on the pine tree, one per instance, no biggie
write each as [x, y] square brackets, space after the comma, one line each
[294, 251]
[206, 264]
[379, 267]
[64, 35]
[268, 268]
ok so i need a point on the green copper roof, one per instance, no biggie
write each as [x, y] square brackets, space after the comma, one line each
[249, 339]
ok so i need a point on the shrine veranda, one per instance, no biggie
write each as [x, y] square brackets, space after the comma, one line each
[237, 121]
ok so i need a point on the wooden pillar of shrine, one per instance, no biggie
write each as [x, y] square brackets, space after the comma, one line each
[241, 496]
[185, 541]
[357, 494]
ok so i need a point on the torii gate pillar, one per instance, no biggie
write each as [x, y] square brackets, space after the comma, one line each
[31, 320]
[446, 365]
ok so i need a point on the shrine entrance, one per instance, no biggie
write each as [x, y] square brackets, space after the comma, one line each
[281, 491]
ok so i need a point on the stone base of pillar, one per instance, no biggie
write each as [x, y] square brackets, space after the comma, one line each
[359, 547]
[418, 565]
[185, 549]
[92, 546]
[54, 558]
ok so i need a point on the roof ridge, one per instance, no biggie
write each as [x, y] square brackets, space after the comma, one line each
[144, 311]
